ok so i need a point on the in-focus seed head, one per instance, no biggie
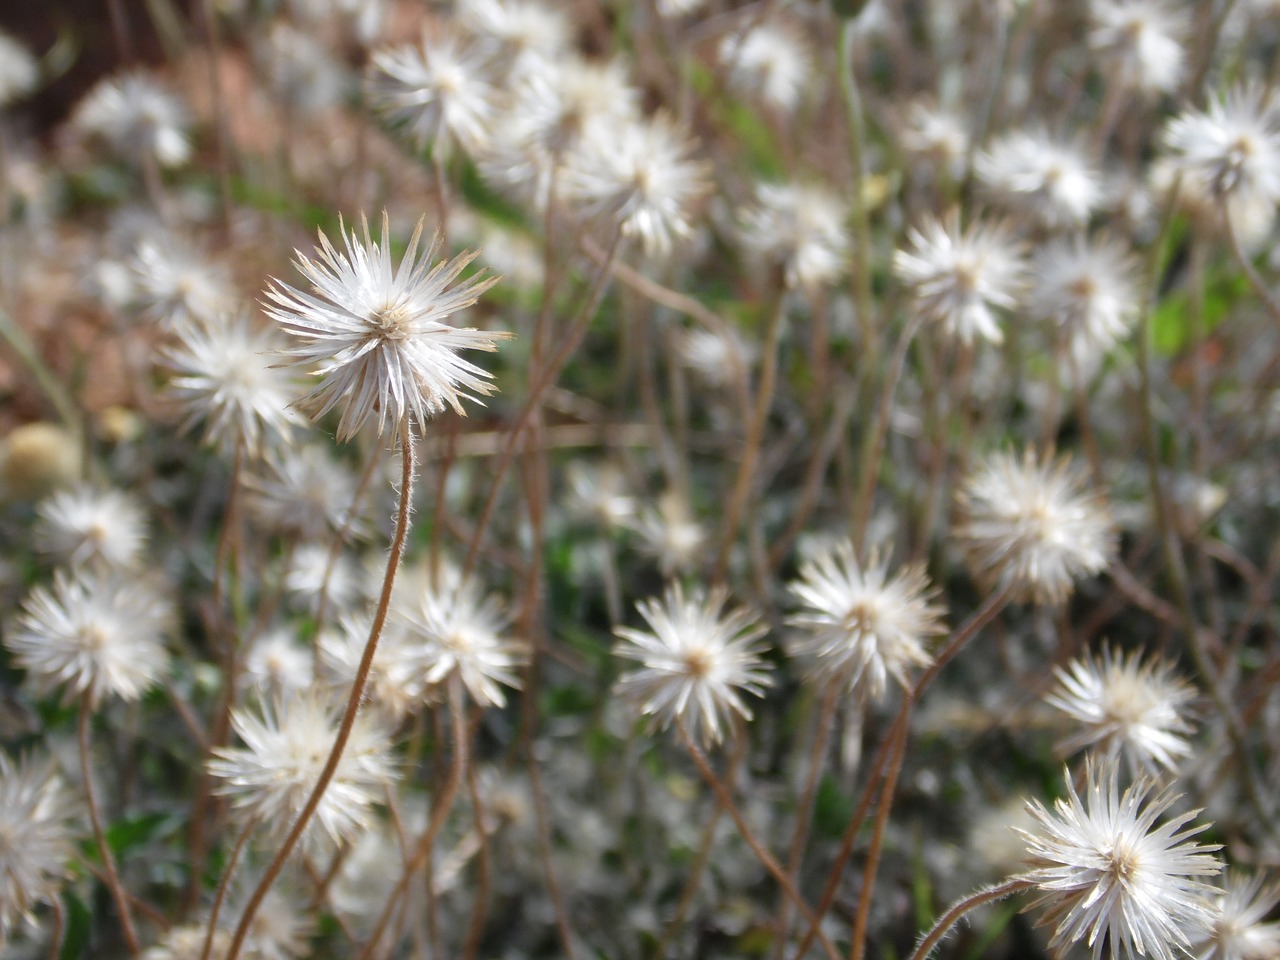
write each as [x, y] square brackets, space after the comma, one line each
[36, 839]
[1127, 708]
[89, 527]
[696, 661]
[285, 748]
[1030, 524]
[92, 635]
[227, 377]
[859, 624]
[1107, 874]
[375, 334]
[962, 279]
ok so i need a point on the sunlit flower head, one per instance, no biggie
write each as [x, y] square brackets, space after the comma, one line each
[1111, 876]
[138, 118]
[36, 838]
[1087, 289]
[1048, 180]
[1239, 929]
[375, 334]
[696, 661]
[1029, 524]
[88, 526]
[800, 228]
[1139, 43]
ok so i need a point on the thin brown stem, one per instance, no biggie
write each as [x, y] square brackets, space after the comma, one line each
[963, 906]
[111, 873]
[748, 835]
[353, 701]
[223, 886]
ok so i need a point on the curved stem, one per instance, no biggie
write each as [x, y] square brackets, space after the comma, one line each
[804, 812]
[544, 379]
[444, 803]
[756, 418]
[353, 700]
[223, 885]
[112, 875]
[861, 223]
[764, 856]
[963, 906]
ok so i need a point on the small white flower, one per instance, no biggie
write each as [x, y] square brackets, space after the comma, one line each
[961, 278]
[1087, 289]
[137, 117]
[769, 61]
[526, 32]
[36, 839]
[285, 748]
[1049, 180]
[638, 174]
[800, 228]
[450, 627]
[306, 493]
[228, 377]
[375, 334]
[439, 90]
[1108, 875]
[1232, 151]
[1139, 43]
[720, 357]
[303, 73]
[18, 70]
[397, 685]
[1127, 708]
[1239, 929]
[177, 285]
[696, 663]
[937, 134]
[278, 665]
[94, 636]
[87, 526]
[670, 533]
[1029, 523]
[600, 494]
[860, 625]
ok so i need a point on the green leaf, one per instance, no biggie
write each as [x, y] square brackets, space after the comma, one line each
[75, 938]
[125, 835]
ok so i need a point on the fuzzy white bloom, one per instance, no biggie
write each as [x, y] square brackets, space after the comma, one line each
[440, 91]
[1087, 289]
[1109, 875]
[375, 334]
[696, 661]
[860, 625]
[1232, 151]
[452, 628]
[138, 118]
[281, 928]
[285, 748]
[176, 284]
[937, 134]
[1130, 709]
[670, 533]
[770, 62]
[229, 378]
[36, 839]
[306, 493]
[961, 278]
[277, 665]
[87, 526]
[302, 71]
[800, 228]
[600, 495]
[92, 636]
[1239, 928]
[639, 175]
[186, 942]
[527, 33]
[311, 573]
[719, 357]
[1139, 43]
[1048, 180]
[18, 70]
[1029, 523]
[397, 684]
